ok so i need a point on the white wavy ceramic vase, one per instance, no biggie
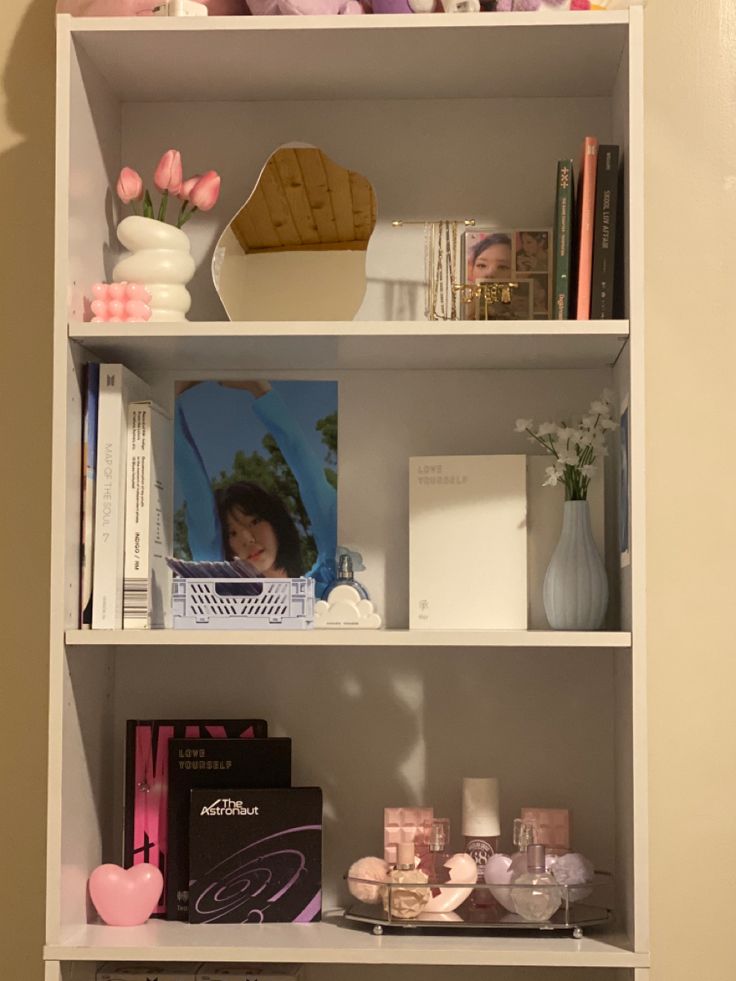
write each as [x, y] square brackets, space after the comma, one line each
[160, 258]
[575, 587]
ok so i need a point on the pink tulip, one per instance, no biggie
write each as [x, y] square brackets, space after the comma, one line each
[168, 176]
[187, 186]
[130, 185]
[206, 191]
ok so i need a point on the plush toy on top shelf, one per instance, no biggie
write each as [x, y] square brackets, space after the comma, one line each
[504, 6]
[304, 7]
[146, 8]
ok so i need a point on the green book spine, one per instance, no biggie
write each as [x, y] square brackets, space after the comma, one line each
[563, 239]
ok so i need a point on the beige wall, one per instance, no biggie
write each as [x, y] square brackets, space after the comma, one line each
[26, 250]
[691, 332]
[691, 216]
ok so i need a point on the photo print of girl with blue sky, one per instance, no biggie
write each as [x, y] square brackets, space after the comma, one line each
[255, 467]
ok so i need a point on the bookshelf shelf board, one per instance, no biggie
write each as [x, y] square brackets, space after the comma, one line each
[348, 638]
[387, 345]
[331, 943]
[334, 57]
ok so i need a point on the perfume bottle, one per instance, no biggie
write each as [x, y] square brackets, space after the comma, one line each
[345, 578]
[536, 904]
[525, 834]
[481, 827]
[408, 894]
[433, 862]
[444, 867]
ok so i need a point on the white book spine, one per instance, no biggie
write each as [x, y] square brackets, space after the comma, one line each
[108, 497]
[118, 386]
[136, 583]
[147, 518]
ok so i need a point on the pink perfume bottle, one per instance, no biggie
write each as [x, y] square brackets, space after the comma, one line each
[443, 867]
[434, 861]
[408, 894]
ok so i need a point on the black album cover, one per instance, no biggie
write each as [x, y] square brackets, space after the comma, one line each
[255, 856]
[147, 781]
[213, 763]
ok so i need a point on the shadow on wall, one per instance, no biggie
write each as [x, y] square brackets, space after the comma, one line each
[26, 287]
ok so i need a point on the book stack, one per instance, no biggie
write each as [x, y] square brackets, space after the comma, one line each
[210, 803]
[126, 503]
[585, 234]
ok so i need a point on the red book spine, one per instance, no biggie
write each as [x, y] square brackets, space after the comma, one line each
[586, 218]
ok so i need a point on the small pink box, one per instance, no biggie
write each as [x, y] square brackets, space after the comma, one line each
[552, 826]
[401, 824]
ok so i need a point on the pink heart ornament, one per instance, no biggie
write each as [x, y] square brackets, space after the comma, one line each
[125, 897]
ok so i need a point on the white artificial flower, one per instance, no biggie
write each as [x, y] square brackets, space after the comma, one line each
[586, 438]
[589, 470]
[522, 425]
[600, 408]
[589, 422]
[567, 459]
[566, 434]
[548, 429]
[608, 424]
[553, 477]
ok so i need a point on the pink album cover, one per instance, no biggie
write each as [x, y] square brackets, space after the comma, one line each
[147, 781]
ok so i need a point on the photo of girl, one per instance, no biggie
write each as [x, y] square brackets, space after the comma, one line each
[532, 251]
[255, 466]
[488, 256]
[518, 256]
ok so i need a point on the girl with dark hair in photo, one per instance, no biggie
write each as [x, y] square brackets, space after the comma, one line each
[245, 521]
[490, 258]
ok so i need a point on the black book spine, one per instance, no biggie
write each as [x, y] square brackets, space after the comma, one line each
[604, 236]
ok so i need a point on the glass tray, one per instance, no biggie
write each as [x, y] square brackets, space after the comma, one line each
[582, 906]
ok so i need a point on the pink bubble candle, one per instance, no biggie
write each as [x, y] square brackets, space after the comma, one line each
[120, 303]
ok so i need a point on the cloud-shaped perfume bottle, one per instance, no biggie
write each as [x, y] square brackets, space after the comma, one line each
[344, 607]
[346, 602]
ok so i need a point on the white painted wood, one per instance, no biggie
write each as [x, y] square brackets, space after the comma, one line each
[93, 165]
[336, 57]
[58, 601]
[397, 703]
[327, 943]
[411, 345]
[84, 798]
[537, 639]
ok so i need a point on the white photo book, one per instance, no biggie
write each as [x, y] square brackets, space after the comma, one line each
[468, 542]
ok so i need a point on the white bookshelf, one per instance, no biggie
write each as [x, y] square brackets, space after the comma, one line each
[600, 639]
[326, 943]
[557, 715]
